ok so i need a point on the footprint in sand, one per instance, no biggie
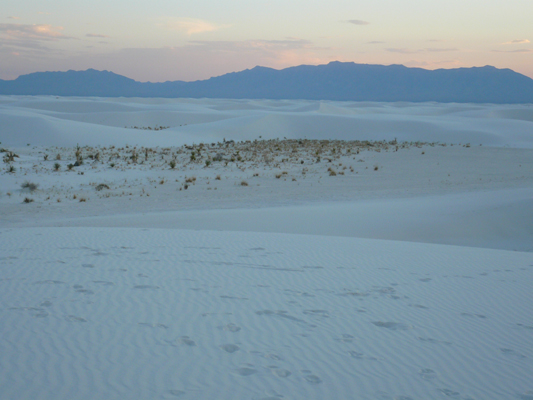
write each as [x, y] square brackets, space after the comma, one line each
[449, 393]
[281, 373]
[346, 338]
[393, 326]
[104, 283]
[163, 326]
[175, 392]
[73, 318]
[362, 356]
[230, 328]
[245, 371]
[85, 291]
[313, 379]
[513, 354]
[146, 287]
[230, 348]
[473, 315]
[49, 282]
[187, 341]
[428, 374]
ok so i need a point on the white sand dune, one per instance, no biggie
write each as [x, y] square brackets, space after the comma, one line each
[339, 270]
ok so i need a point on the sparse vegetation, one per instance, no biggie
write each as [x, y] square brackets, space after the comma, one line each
[30, 186]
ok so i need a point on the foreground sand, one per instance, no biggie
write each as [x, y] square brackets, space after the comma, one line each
[259, 274]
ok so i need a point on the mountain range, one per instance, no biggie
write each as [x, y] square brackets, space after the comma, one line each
[343, 81]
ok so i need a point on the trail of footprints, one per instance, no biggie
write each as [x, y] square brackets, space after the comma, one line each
[44, 308]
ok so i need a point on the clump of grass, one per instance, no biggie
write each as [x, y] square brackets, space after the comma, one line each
[172, 164]
[101, 186]
[217, 178]
[58, 157]
[57, 166]
[190, 179]
[278, 176]
[376, 167]
[11, 169]
[83, 199]
[28, 200]
[31, 186]
[244, 183]
[207, 163]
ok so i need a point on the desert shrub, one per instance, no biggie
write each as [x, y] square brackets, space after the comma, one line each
[190, 179]
[376, 167]
[217, 178]
[57, 166]
[11, 169]
[83, 199]
[244, 183]
[207, 163]
[29, 185]
[28, 200]
[101, 186]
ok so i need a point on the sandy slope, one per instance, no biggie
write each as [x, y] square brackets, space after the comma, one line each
[120, 313]
[132, 293]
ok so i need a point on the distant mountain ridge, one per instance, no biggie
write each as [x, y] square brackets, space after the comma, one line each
[334, 81]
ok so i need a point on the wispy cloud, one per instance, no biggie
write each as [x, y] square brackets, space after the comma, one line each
[13, 17]
[375, 42]
[95, 35]
[401, 50]
[193, 26]
[35, 32]
[517, 41]
[513, 51]
[415, 51]
[440, 50]
[357, 22]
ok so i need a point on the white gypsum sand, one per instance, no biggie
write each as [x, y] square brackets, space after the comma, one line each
[234, 249]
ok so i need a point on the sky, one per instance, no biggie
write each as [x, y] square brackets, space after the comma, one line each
[168, 40]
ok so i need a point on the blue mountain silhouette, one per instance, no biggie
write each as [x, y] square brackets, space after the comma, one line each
[333, 81]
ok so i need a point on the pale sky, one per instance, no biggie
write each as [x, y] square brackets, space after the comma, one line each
[163, 40]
